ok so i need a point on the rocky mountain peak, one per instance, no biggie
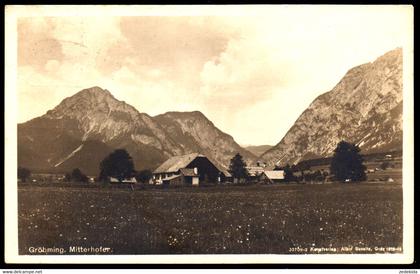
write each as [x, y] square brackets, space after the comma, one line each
[95, 90]
[196, 133]
[92, 122]
[92, 102]
[185, 114]
[363, 108]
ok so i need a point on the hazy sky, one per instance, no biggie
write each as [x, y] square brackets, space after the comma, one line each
[252, 75]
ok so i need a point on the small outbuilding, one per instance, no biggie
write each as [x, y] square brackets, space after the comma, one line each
[255, 171]
[272, 176]
[131, 180]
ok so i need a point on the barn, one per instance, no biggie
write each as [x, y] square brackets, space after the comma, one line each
[190, 169]
[272, 176]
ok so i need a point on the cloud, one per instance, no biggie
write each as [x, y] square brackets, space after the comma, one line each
[39, 92]
[171, 41]
[251, 75]
[148, 92]
[176, 46]
[245, 72]
[52, 65]
[36, 43]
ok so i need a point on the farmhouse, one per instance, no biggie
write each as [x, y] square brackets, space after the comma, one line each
[272, 176]
[190, 169]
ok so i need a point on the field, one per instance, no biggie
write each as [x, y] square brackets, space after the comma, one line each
[275, 219]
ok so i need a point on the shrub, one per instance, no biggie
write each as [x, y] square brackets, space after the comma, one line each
[144, 176]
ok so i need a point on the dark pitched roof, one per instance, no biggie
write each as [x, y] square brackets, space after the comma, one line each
[175, 163]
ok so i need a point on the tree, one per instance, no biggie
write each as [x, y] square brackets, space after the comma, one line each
[347, 163]
[23, 173]
[144, 176]
[77, 176]
[302, 167]
[118, 164]
[237, 167]
[288, 173]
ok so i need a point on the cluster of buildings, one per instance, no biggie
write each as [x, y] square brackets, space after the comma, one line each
[194, 169]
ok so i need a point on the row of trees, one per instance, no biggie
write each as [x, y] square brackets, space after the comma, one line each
[76, 176]
[118, 164]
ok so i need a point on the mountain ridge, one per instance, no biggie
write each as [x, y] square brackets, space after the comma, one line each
[257, 150]
[92, 122]
[365, 107]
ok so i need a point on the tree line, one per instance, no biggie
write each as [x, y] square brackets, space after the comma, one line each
[345, 165]
[118, 164]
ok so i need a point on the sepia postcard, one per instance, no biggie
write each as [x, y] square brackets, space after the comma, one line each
[209, 134]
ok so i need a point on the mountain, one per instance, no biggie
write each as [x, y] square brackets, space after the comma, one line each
[87, 126]
[84, 128]
[365, 108]
[258, 150]
[195, 133]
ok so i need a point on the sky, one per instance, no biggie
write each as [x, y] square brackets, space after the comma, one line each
[252, 73]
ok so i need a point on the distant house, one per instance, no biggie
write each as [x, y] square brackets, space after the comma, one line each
[131, 180]
[261, 164]
[190, 169]
[272, 176]
[255, 171]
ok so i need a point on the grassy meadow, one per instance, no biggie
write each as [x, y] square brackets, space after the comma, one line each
[258, 219]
